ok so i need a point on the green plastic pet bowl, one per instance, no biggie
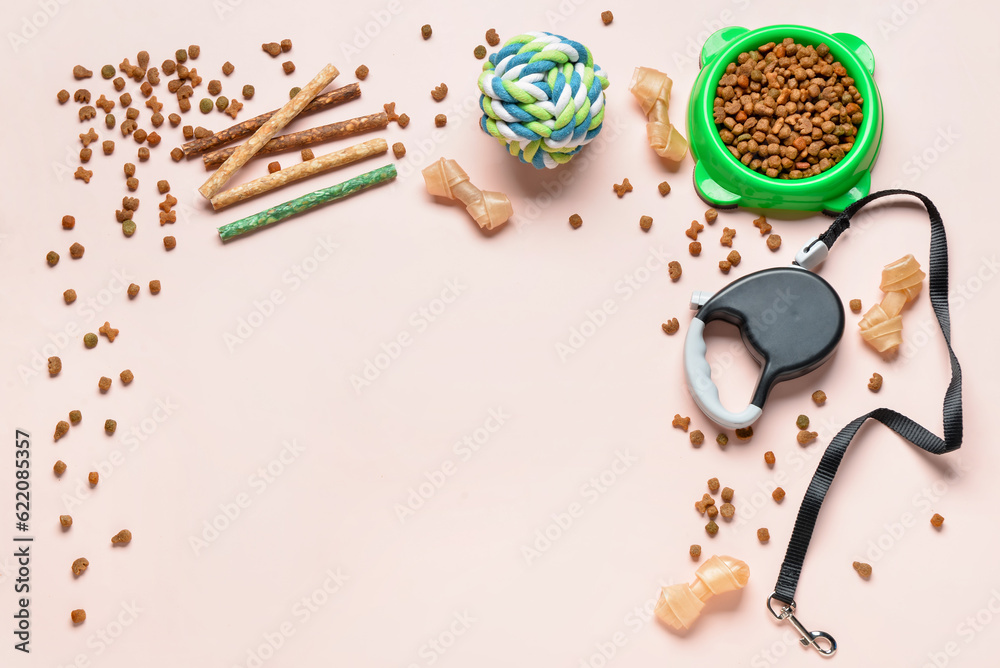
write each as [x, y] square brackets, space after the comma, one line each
[724, 182]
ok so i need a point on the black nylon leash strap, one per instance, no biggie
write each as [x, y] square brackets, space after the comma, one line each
[805, 522]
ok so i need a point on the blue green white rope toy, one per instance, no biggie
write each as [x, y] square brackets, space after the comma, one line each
[543, 97]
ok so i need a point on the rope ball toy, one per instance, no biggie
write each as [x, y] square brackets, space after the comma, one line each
[543, 97]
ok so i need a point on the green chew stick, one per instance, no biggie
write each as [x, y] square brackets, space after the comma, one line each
[278, 213]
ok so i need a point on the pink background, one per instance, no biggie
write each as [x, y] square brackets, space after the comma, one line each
[450, 585]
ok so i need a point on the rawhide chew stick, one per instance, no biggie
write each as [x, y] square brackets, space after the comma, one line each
[882, 326]
[445, 178]
[297, 140]
[278, 120]
[247, 127]
[681, 604]
[652, 89]
[278, 213]
[300, 171]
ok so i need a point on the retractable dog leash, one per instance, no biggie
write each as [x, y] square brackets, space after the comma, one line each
[795, 340]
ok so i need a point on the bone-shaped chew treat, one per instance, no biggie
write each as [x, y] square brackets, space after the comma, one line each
[445, 178]
[681, 604]
[652, 89]
[882, 326]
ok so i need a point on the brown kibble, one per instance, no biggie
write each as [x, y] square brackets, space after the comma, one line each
[774, 242]
[694, 248]
[59, 467]
[75, 417]
[85, 154]
[66, 521]
[674, 270]
[177, 154]
[104, 384]
[725, 266]
[361, 72]
[132, 113]
[188, 132]
[492, 38]
[479, 52]
[711, 215]
[875, 384]
[153, 76]
[681, 422]
[607, 17]
[93, 478]
[81, 95]
[440, 120]
[727, 510]
[132, 183]
[769, 458]
[670, 326]
[722, 440]
[763, 535]
[227, 68]
[61, 428]
[802, 422]
[707, 500]
[86, 113]
[233, 108]
[168, 67]
[201, 133]
[76, 251]
[81, 72]
[273, 167]
[123, 537]
[52, 258]
[863, 569]
[439, 92]
[168, 202]
[856, 305]
[110, 426]
[133, 290]
[78, 616]
[286, 45]
[80, 565]
[778, 494]
[727, 494]
[63, 96]
[937, 521]
[156, 119]
[127, 375]
[248, 92]
[306, 154]
[697, 438]
[695, 551]
[712, 528]
[390, 111]
[713, 484]
[107, 330]
[55, 365]
[83, 174]
[125, 99]
[664, 188]
[403, 120]
[622, 188]
[645, 222]
[727, 236]
[130, 203]
[169, 243]
[575, 221]
[762, 224]
[154, 287]
[163, 186]
[69, 296]
[712, 512]
[398, 150]
[425, 31]
[819, 397]
[194, 51]
[744, 434]
[806, 437]
[108, 146]
[214, 87]
[734, 258]
[146, 89]
[288, 66]
[700, 506]
[88, 137]
[692, 232]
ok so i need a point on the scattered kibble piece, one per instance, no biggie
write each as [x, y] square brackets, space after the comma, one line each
[439, 92]
[194, 51]
[201, 133]
[108, 146]
[479, 52]
[712, 528]
[123, 537]
[85, 154]
[707, 499]
[109, 121]
[286, 45]
[492, 38]
[937, 521]
[273, 167]
[875, 384]
[154, 287]
[778, 494]
[440, 120]
[61, 428]
[205, 105]
[727, 236]
[769, 458]
[700, 506]
[83, 174]
[76, 251]
[227, 68]
[403, 120]
[674, 270]
[722, 440]
[128, 227]
[110, 426]
[697, 438]
[59, 467]
[664, 188]
[863, 569]
[711, 215]
[90, 339]
[762, 224]
[744, 434]
[671, 326]
[68, 222]
[727, 494]
[734, 258]
[288, 66]
[169, 243]
[856, 305]
[713, 484]
[222, 103]
[63, 96]
[727, 510]
[93, 478]
[52, 258]
[214, 87]
[695, 551]
[163, 186]
[425, 31]
[398, 150]
[694, 248]
[802, 422]
[177, 154]
[248, 92]
[133, 289]
[88, 137]
[806, 437]
[763, 535]
[79, 616]
[180, 55]
[132, 183]
[607, 17]
[712, 512]
[645, 222]
[75, 417]
[66, 521]
[104, 384]
[81, 72]
[130, 203]
[725, 266]
[575, 221]
[361, 72]
[774, 242]
[681, 422]
[126, 375]
[692, 232]
[819, 397]
[622, 188]
[107, 330]
[55, 366]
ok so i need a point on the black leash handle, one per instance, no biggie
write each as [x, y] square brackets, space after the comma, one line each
[805, 522]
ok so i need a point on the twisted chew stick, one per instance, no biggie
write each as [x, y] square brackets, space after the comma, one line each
[247, 127]
[278, 120]
[445, 178]
[652, 89]
[680, 604]
[306, 202]
[303, 138]
[300, 171]
[882, 326]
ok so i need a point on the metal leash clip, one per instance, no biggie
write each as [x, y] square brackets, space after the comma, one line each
[807, 637]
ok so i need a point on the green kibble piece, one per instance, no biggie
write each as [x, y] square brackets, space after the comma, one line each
[221, 103]
[110, 426]
[802, 422]
[181, 56]
[293, 92]
[109, 121]
[205, 105]
[722, 440]
[248, 92]
[128, 227]
[90, 339]
[108, 71]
